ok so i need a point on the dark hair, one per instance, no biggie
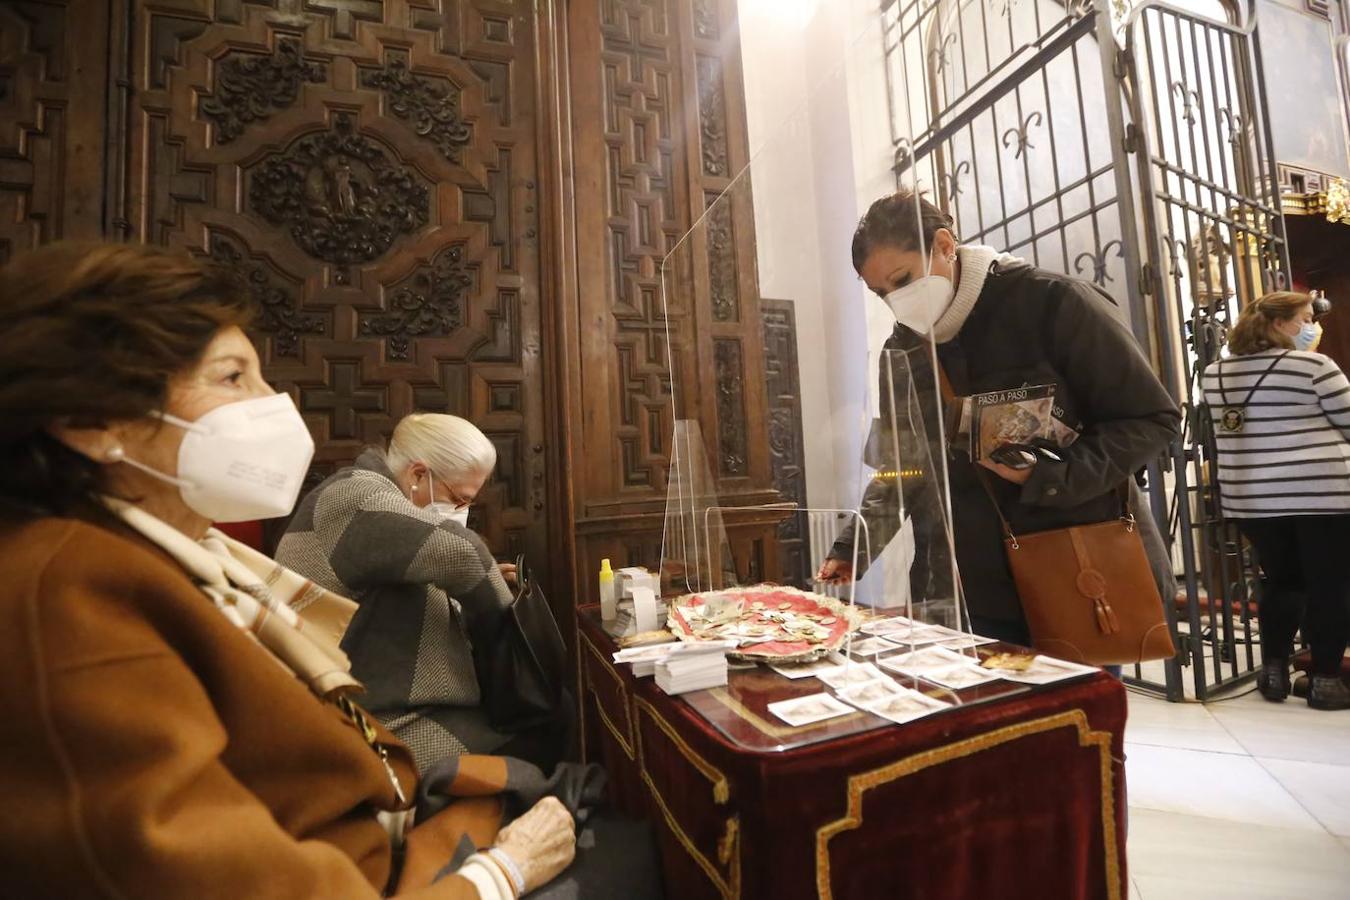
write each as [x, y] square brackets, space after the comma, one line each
[91, 334]
[1255, 331]
[891, 222]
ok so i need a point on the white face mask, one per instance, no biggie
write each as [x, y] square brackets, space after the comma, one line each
[1308, 336]
[242, 461]
[919, 304]
[447, 511]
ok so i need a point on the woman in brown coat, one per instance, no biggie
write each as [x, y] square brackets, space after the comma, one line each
[173, 726]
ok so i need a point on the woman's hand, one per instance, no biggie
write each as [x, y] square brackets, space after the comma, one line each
[1016, 476]
[509, 575]
[538, 845]
[835, 571]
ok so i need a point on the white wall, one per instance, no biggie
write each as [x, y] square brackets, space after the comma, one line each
[820, 139]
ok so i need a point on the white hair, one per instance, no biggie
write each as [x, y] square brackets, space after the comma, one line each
[450, 446]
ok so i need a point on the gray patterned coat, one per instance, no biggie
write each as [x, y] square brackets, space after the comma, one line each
[414, 577]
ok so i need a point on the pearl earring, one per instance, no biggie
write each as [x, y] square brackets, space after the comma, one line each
[114, 454]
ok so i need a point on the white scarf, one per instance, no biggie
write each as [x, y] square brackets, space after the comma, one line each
[976, 261]
[297, 621]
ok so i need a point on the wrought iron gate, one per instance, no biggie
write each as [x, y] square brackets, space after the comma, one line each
[1041, 136]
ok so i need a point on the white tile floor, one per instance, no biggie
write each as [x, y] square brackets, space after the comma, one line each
[1238, 798]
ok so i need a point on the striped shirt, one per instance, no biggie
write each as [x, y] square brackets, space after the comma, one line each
[1292, 454]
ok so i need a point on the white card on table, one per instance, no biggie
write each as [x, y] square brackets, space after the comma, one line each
[871, 692]
[806, 670]
[963, 642]
[871, 646]
[806, 710]
[1044, 670]
[883, 626]
[905, 706]
[850, 675]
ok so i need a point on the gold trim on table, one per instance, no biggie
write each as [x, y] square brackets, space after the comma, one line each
[629, 742]
[728, 848]
[863, 782]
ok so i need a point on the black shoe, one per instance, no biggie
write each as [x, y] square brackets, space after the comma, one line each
[1302, 684]
[1273, 680]
[1329, 692]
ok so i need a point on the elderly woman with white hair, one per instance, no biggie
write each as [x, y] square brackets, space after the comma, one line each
[389, 532]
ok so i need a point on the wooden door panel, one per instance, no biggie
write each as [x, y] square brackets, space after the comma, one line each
[370, 169]
[53, 88]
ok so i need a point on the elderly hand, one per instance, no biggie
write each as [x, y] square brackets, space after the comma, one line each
[508, 571]
[537, 846]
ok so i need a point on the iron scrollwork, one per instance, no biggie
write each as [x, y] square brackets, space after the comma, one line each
[1020, 135]
[1098, 260]
[431, 109]
[250, 88]
[342, 198]
[952, 182]
[431, 304]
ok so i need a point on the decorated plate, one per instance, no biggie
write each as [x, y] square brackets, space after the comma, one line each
[772, 624]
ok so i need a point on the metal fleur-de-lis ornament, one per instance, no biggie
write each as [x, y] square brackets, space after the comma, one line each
[1191, 105]
[952, 182]
[1098, 260]
[940, 55]
[1020, 136]
[904, 156]
[1232, 123]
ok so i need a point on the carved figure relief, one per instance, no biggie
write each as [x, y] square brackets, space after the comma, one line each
[340, 195]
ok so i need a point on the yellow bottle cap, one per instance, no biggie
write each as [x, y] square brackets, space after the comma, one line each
[606, 572]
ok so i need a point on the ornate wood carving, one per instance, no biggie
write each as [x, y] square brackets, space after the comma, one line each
[392, 279]
[787, 458]
[712, 116]
[431, 303]
[341, 196]
[430, 109]
[723, 286]
[731, 436]
[641, 223]
[53, 78]
[249, 87]
[279, 314]
[706, 20]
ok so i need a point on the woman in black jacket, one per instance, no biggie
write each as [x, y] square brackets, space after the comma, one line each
[999, 323]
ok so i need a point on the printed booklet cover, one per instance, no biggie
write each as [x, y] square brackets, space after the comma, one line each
[1015, 416]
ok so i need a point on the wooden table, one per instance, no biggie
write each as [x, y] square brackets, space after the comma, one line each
[1019, 792]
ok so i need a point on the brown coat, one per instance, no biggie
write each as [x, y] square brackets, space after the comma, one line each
[151, 749]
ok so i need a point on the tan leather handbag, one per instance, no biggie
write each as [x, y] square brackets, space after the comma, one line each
[1088, 591]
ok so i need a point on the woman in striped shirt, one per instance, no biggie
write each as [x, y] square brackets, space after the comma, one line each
[1281, 418]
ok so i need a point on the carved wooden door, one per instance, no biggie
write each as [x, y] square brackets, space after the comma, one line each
[53, 81]
[370, 168]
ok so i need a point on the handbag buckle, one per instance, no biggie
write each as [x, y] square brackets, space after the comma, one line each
[1128, 519]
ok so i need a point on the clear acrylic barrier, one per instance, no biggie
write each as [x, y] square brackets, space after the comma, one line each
[874, 494]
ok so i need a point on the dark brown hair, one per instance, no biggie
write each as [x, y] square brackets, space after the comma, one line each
[891, 222]
[91, 334]
[1255, 331]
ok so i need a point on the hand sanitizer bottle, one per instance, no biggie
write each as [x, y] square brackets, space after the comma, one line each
[609, 606]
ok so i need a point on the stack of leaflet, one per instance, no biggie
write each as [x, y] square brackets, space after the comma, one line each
[693, 667]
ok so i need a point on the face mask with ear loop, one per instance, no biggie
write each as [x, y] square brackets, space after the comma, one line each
[920, 304]
[447, 511]
[1308, 337]
[239, 462]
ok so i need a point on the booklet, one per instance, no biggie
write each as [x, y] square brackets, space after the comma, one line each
[1016, 416]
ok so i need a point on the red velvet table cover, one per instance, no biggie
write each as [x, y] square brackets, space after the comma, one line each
[1023, 797]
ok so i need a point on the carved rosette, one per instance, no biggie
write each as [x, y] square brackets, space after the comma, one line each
[340, 195]
[732, 442]
[250, 88]
[712, 117]
[431, 109]
[278, 314]
[431, 304]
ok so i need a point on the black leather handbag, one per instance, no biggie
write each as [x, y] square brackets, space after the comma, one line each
[522, 673]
